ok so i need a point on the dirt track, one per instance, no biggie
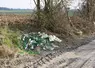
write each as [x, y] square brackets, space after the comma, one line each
[82, 57]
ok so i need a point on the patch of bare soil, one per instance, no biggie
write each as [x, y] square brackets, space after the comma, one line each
[9, 58]
[20, 61]
[5, 51]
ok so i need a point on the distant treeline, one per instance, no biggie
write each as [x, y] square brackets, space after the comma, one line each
[5, 8]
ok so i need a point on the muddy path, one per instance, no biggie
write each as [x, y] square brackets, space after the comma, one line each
[82, 57]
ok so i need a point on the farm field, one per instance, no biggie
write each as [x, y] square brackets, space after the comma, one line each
[22, 11]
[14, 18]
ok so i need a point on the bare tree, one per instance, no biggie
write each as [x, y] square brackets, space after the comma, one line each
[89, 9]
[49, 10]
[37, 3]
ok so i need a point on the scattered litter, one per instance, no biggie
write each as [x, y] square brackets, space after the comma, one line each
[39, 40]
[80, 32]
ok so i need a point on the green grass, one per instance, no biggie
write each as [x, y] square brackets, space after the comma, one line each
[70, 13]
[11, 38]
[28, 11]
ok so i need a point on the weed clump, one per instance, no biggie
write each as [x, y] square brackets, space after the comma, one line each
[9, 37]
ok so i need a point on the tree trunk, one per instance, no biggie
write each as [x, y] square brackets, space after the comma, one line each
[38, 13]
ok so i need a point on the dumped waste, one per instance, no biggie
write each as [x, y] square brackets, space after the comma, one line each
[40, 40]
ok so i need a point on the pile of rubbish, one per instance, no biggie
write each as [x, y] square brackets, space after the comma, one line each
[33, 40]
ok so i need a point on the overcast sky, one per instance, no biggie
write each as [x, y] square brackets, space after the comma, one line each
[76, 4]
[17, 3]
[26, 4]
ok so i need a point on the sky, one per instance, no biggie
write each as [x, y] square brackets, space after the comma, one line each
[17, 4]
[76, 4]
[28, 4]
